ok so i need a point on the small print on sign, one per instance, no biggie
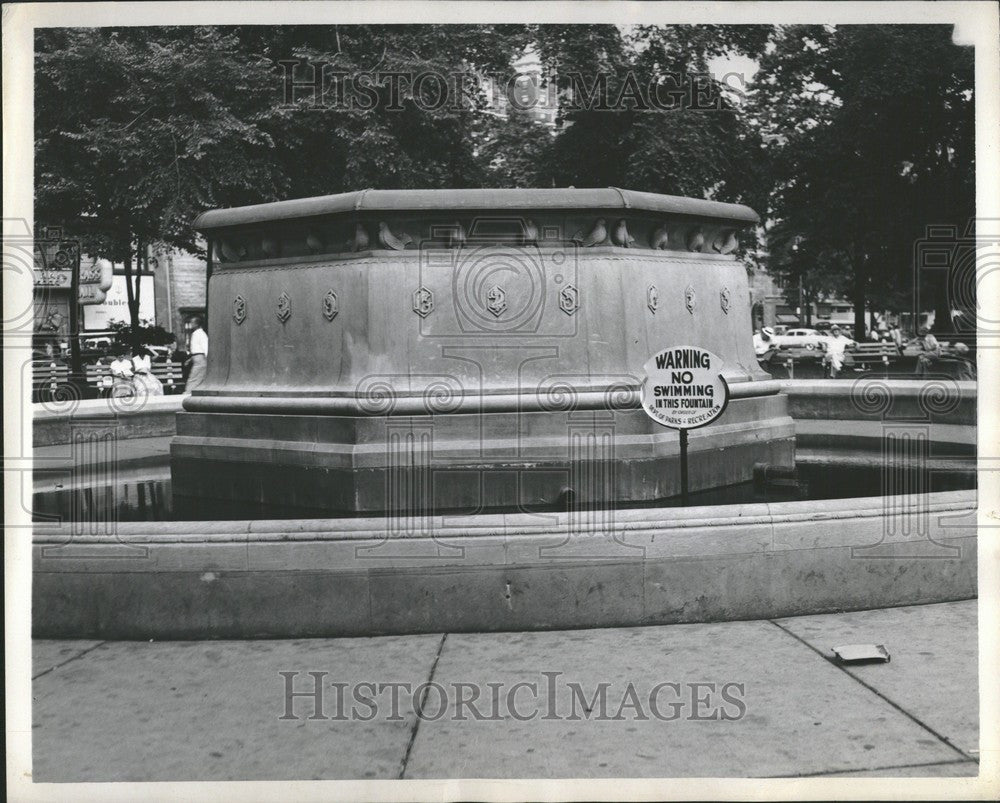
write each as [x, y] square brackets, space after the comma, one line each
[684, 387]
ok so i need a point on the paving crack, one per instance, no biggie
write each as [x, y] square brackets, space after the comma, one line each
[941, 737]
[420, 709]
[69, 660]
[874, 769]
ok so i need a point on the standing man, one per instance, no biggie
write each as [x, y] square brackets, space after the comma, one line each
[199, 355]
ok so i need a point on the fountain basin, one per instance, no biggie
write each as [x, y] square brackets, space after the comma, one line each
[365, 576]
[519, 570]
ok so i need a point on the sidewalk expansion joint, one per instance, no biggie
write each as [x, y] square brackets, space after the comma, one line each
[420, 709]
[941, 737]
[877, 769]
[68, 660]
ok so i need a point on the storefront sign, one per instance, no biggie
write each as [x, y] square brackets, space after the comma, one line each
[115, 306]
[53, 278]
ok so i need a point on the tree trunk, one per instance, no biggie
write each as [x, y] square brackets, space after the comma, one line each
[131, 295]
[858, 298]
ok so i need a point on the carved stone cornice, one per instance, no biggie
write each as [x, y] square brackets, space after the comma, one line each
[392, 221]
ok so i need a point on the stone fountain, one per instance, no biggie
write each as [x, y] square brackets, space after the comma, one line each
[427, 351]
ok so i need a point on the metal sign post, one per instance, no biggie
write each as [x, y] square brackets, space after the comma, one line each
[75, 363]
[684, 466]
[684, 389]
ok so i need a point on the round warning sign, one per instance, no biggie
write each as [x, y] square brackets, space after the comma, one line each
[684, 387]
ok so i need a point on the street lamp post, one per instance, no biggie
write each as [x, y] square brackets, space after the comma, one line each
[799, 309]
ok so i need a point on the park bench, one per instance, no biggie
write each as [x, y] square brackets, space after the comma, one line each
[786, 361]
[170, 374]
[99, 377]
[865, 356]
[47, 376]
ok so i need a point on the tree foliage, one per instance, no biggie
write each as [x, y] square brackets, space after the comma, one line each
[869, 134]
[851, 140]
[666, 125]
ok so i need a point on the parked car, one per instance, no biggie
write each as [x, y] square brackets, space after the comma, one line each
[806, 338]
[160, 353]
[101, 344]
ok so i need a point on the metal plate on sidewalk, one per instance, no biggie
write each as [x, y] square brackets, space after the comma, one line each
[861, 653]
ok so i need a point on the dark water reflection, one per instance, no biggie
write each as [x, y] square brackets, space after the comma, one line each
[141, 499]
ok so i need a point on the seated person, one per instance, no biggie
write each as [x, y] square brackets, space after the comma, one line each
[121, 375]
[763, 343]
[144, 382]
[964, 370]
[835, 348]
[930, 351]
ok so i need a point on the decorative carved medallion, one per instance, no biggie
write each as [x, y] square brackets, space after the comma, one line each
[284, 308]
[725, 298]
[653, 298]
[330, 305]
[496, 300]
[689, 299]
[239, 310]
[569, 299]
[423, 302]
[598, 234]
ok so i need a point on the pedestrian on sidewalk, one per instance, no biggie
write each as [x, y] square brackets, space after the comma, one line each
[199, 355]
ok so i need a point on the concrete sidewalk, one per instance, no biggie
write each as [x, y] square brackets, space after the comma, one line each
[758, 698]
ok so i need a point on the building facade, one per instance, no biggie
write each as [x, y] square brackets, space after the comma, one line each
[180, 280]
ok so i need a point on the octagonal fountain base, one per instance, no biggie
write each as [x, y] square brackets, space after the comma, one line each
[467, 350]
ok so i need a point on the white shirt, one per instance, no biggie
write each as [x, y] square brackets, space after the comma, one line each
[199, 342]
[122, 367]
[761, 346]
[835, 348]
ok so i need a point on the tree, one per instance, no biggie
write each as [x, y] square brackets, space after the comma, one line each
[514, 150]
[641, 109]
[870, 133]
[140, 129]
